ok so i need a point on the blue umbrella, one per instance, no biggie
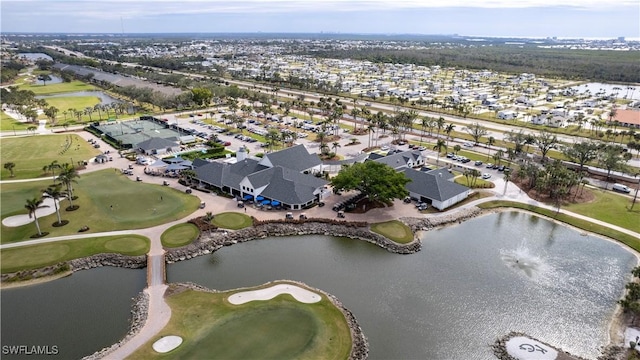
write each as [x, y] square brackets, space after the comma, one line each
[259, 198]
[275, 203]
[266, 202]
[248, 197]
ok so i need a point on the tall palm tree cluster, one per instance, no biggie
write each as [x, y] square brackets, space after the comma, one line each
[66, 178]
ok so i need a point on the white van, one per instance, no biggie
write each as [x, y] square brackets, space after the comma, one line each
[621, 188]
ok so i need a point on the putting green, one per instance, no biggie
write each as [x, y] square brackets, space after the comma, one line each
[108, 201]
[280, 328]
[394, 230]
[273, 332]
[231, 220]
[179, 235]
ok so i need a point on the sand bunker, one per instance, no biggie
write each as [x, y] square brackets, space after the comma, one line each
[167, 343]
[523, 348]
[298, 293]
[19, 220]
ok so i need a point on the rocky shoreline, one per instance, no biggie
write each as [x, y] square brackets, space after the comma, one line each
[139, 312]
[209, 242]
[359, 346]
[89, 262]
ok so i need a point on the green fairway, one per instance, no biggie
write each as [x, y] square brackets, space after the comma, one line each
[179, 235]
[610, 207]
[8, 124]
[37, 256]
[629, 240]
[32, 153]
[231, 220]
[63, 103]
[56, 88]
[280, 328]
[108, 201]
[394, 230]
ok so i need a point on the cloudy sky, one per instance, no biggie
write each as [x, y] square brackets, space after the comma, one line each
[533, 18]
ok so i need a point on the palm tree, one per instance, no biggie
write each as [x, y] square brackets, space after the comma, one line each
[448, 131]
[440, 124]
[335, 146]
[52, 167]
[424, 122]
[32, 205]
[54, 192]
[440, 145]
[68, 176]
[507, 177]
[490, 141]
[9, 166]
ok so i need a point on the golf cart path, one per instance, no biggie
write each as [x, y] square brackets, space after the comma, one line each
[159, 313]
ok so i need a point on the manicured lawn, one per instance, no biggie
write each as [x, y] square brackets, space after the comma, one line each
[394, 230]
[231, 220]
[36, 256]
[7, 123]
[108, 201]
[281, 328]
[179, 235]
[610, 207]
[57, 88]
[63, 103]
[629, 240]
[32, 153]
[479, 184]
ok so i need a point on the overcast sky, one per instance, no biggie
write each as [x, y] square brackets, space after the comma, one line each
[532, 18]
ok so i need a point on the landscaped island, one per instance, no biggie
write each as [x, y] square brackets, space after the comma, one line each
[212, 326]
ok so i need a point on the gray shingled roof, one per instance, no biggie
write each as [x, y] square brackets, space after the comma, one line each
[291, 187]
[296, 158]
[397, 160]
[433, 184]
[156, 143]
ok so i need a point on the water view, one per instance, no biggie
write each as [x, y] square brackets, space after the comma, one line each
[79, 314]
[470, 284]
[105, 99]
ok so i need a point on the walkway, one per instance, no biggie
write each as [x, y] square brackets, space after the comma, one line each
[159, 313]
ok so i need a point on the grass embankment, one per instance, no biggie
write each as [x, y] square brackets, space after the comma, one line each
[629, 240]
[231, 220]
[479, 183]
[609, 207]
[7, 123]
[37, 256]
[32, 153]
[57, 88]
[394, 230]
[108, 201]
[280, 328]
[179, 235]
[63, 103]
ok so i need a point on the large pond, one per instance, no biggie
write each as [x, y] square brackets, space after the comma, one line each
[105, 99]
[79, 314]
[54, 80]
[470, 284]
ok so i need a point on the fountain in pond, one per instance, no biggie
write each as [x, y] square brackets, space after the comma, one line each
[522, 260]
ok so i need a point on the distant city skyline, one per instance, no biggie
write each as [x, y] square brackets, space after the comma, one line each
[517, 18]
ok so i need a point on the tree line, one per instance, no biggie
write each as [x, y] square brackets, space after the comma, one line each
[601, 65]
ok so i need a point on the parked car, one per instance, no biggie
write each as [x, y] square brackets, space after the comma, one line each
[384, 148]
[621, 188]
[489, 165]
[478, 163]
[486, 176]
